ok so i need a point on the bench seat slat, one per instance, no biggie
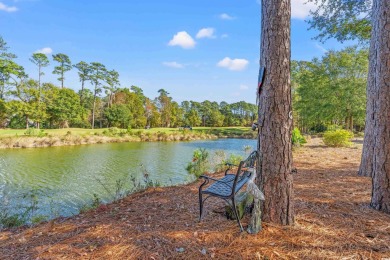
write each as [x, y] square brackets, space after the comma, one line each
[225, 189]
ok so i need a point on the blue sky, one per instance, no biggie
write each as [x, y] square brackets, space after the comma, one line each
[194, 49]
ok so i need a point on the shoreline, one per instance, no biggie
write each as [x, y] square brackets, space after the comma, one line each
[17, 142]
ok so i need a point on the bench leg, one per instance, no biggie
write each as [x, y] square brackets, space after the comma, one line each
[235, 213]
[200, 206]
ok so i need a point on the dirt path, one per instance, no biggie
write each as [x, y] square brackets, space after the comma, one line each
[333, 221]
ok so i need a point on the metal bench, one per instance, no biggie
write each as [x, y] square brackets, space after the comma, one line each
[227, 187]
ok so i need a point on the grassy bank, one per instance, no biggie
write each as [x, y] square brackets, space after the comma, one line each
[22, 138]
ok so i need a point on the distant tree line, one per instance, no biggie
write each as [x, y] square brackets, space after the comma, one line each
[101, 101]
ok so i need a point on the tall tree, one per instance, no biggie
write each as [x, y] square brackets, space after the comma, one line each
[164, 103]
[379, 109]
[342, 19]
[84, 71]
[112, 80]
[97, 75]
[64, 66]
[275, 124]
[40, 60]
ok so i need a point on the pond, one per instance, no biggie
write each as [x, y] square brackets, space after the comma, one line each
[58, 181]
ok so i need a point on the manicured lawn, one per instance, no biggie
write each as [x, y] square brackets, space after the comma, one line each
[83, 131]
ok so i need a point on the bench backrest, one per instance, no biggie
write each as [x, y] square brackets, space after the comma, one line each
[243, 175]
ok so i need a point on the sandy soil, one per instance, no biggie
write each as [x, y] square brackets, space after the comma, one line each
[333, 221]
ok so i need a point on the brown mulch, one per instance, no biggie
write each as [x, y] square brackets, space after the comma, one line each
[333, 221]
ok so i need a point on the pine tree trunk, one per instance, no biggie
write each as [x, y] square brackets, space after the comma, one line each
[366, 165]
[381, 128]
[93, 111]
[81, 93]
[275, 124]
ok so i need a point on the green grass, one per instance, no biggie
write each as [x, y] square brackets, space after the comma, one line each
[75, 131]
[228, 131]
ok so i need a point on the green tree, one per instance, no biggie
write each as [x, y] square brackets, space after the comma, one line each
[118, 115]
[112, 80]
[84, 72]
[215, 118]
[41, 61]
[63, 106]
[192, 118]
[28, 106]
[164, 104]
[331, 90]
[96, 77]
[342, 19]
[10, 72]
[64, 66]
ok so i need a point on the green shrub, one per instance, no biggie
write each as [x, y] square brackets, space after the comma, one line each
[38, 219]
[219, 160]
[35, 132]
[338, 138]
[234, 159]
[10, 221]
[199, 164]
[297, 138]
[112, 131]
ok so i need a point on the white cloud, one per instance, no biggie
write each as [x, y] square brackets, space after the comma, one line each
[8, 9]
[225, 16]
[321, 48]
[235, 64]
[244, 87]
[300, 9]
[182, 39]
[224, 35]
[206, 33]
[173, 64]
[46, 50]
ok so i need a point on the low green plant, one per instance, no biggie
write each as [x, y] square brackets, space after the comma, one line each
[38, 219]
[247, 149]
[96, 202]
[219, 160]
[10, 221]
[234, 159]
[297, 138]
[338, 138]
[199, 163]
[35, 132]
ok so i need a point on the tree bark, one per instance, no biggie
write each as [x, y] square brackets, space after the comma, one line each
[366, 165]
[381, 106]
[275, 124]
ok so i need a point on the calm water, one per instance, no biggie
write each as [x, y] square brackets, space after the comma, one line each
[65, 178]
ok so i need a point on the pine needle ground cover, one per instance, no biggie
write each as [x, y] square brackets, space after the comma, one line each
[333, 221]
